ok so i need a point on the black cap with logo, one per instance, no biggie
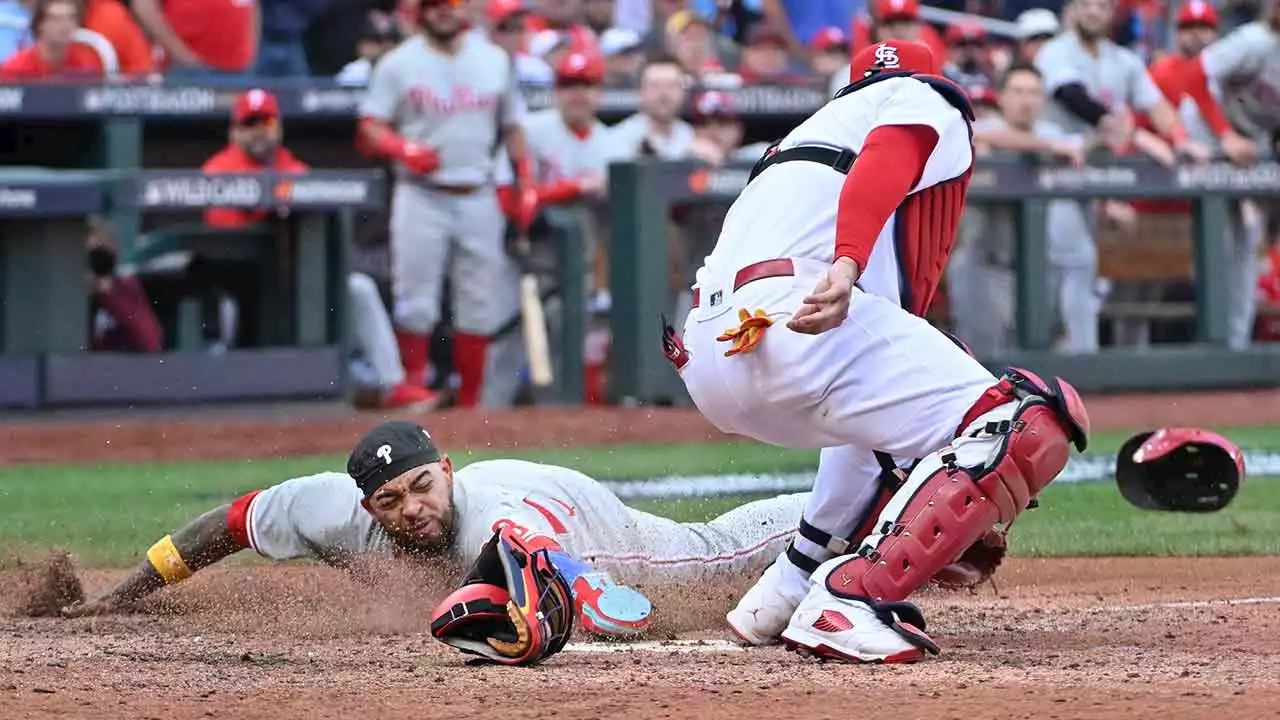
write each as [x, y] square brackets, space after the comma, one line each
[388, 450]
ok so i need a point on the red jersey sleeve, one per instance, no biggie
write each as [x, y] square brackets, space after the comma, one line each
[892, 161]
[1196, 85]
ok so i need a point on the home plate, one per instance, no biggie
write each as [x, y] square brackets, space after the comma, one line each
[669, 646]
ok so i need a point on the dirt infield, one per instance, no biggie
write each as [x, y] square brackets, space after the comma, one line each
[1095, 639]
[303, 429]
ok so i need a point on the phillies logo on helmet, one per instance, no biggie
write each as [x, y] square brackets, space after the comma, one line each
[887, 56]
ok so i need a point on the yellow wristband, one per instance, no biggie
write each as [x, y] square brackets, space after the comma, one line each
[164, 557]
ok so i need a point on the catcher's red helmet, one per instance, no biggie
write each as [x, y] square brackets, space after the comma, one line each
[893, 56]
[1184, 469]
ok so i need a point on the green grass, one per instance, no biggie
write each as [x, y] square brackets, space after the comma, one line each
[108, 515]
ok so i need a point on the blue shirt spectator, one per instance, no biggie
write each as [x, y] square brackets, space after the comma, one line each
[15, 27]
[807, 17]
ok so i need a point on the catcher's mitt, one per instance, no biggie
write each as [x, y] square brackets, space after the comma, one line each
[976, 565]
[514, 608]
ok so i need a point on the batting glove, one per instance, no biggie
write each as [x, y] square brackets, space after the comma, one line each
[419, 159]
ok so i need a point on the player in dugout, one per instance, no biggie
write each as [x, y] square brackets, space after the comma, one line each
[257, 145]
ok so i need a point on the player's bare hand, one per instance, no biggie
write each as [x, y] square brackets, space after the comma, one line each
[1120, 214]
[1195, 151]
[90, 608]
[826, 307]
[1069, 152]
[593, 185]
[1239, 149]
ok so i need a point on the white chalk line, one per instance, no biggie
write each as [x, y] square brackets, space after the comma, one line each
[664, 646]
[1189, 604]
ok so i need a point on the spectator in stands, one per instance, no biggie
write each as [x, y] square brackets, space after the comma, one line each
[655, 41]
[692, 41]
[830, 48]
[800, 20]
[123, 320]
[980, 278]
[56, 53]
[15, 26]
[985, 101]
[1036, 27]
[765, 59]
[112, 20]
[598, 15]
[718, 132]
[378, 38]
[280, 49]
[509, 29]
[730, 18]
[565, 17]
[623, 57]
[202, 38]
[657, 130]
[968, 64]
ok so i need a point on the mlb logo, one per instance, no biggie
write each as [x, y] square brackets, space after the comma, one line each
[717, 297]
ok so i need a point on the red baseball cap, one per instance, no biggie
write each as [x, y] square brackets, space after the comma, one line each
[965, 32]
[581, 65]
[713, 103]
[887, 10]
[255, 103]
[498, 10]
[830, 38]
[893, 55]
[1197, 12]
[982, 95]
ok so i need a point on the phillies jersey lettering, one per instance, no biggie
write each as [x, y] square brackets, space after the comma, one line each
[320, 516]
[805, 226]
[456, 104]
[1244, 71]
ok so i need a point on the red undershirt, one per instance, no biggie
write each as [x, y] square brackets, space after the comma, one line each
[892, 161]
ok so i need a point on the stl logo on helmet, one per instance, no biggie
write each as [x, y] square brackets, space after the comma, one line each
[384, 452]
[887, 56]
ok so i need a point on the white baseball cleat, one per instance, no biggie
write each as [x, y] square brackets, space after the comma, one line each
[763, 612]
[839, 628]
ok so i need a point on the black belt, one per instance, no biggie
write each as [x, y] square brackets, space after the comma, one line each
[840, 160]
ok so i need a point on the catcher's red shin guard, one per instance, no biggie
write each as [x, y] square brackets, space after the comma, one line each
[944, 507]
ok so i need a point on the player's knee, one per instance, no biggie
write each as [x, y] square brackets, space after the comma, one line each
[417, 315]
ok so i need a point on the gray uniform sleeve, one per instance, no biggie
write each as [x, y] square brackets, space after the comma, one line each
[514, 107]
[1054, 61]
[1240, 53]
[307, 517]
[1143, 92]
[383, 92]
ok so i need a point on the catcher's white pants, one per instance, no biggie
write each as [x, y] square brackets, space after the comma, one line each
[884, 379]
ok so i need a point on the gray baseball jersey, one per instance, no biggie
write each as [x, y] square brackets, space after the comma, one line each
[560, 154]
[632, 132]
[1116, 78]
[1244, 68]
[319, 516]
[456, 104]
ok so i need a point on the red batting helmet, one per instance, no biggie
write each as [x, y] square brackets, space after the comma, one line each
[580, 65]
[1185, 469]
[893, 55]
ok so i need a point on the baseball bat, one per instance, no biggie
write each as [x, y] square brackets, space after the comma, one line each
[534, 320]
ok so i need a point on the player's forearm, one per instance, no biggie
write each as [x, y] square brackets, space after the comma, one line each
[151, 17]
[891, 163]
[1075, 98]
[1165, 120]
[377, 138]
[517, 146]
[1197, 88]
[1013, 140]
[201, 543]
